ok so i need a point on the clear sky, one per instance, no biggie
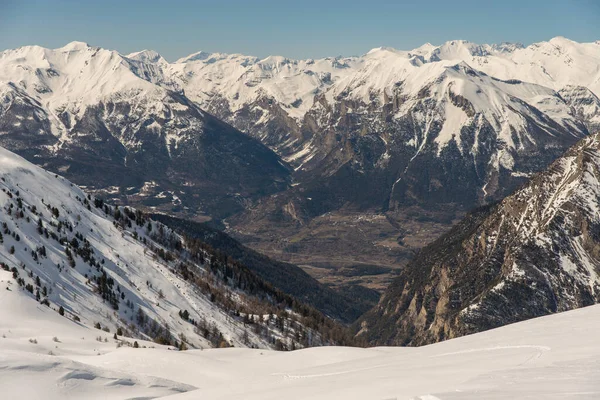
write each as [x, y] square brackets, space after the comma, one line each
[298, 29]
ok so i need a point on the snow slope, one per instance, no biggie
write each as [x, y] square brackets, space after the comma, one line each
[113, 267]
[46, 356]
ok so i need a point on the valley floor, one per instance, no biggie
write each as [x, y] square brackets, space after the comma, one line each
[46, 356]
[346, 247]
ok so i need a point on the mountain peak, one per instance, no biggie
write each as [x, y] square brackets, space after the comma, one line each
[75, 46]
[507, 47]
[560, 39]
[382, 49]
[150, 56]
[197, 56]
[423, 49]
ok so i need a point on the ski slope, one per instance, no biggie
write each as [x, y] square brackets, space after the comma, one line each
[45, 356]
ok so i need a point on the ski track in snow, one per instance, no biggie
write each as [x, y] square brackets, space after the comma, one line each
[550, 357]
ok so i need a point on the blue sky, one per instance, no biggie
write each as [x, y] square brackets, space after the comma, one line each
[299, 29]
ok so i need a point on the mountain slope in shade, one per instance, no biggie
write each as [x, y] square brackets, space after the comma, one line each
[115, 268]
[48, 357]
[534, 253]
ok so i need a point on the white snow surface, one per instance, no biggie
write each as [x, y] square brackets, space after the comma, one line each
[45, 356]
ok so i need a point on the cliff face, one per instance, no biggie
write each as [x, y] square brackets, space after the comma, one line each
[537, 252]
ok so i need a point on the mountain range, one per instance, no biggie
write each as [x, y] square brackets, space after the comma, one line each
[346, 165]
[398, 198]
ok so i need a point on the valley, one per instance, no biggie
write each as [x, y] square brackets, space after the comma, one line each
[344, 248]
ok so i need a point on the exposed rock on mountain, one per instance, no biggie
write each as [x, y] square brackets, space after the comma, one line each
[534, 253]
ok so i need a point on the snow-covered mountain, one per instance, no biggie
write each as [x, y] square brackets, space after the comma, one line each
[408, 120]
[486, 99]
[122, 125]
[116, 269]
[265, 97]
[45, 356]
[534, 253]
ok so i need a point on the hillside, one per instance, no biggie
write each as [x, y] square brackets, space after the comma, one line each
[287, 277]
[534, 253]
[551, 357]
[116, 269]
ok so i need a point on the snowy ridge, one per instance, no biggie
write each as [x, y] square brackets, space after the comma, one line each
[241, 80]
[77, 76]
[551, 357]
[509, 88]
[68, 81]
[287, 80]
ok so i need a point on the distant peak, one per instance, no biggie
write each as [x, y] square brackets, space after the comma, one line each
[198, 56]
[382, 49]
[425, 47]
[507, 47]
[275, 60]
[150, 56]
[75, 46]
[560, 40]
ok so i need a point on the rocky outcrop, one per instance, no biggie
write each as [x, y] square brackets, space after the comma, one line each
[534, 253]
